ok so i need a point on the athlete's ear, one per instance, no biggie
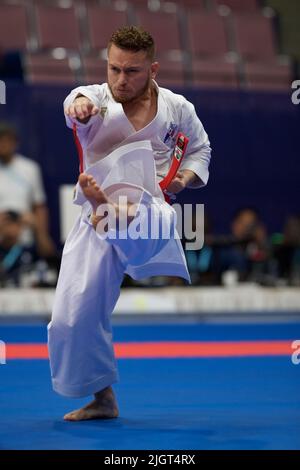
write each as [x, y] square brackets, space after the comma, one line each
[154, 69]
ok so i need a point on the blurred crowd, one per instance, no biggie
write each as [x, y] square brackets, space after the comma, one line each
[29, 257]
[248, 253]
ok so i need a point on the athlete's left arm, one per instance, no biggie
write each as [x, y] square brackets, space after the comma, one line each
[194, 167]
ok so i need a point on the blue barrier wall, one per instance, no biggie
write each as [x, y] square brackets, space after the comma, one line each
[255, 139]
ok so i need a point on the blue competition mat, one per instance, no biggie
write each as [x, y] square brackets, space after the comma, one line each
[170, 403]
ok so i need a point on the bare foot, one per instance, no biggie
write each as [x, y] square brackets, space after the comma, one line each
[96, 197]
[92, 191]
[104, 406]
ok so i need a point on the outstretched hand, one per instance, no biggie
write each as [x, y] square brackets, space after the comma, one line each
[82, 109]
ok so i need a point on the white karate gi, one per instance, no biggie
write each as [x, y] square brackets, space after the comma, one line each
[123, 161]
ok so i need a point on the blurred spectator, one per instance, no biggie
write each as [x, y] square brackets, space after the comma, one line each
[21, 191]
[13, 254]
[287, 251]
[245, 253]
[19, 263]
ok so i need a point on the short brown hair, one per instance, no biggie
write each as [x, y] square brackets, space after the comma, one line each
[133, 38]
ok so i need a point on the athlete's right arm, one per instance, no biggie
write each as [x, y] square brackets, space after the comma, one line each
[82, 105]
[82, 109]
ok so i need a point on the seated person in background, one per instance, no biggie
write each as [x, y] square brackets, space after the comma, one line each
[20, 265]
[12, 253]
[247, 250]
[21, 191]
[287, 253]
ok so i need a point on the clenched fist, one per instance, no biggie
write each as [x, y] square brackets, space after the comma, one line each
[82, 109]
[182, 179]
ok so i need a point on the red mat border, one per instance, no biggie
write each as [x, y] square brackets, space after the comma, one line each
[168, 349]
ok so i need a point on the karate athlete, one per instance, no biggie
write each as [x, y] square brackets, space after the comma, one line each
[127, 128]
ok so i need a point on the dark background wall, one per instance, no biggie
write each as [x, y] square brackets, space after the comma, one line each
[255, 140]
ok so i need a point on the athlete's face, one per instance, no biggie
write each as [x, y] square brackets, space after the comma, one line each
[129, 73]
